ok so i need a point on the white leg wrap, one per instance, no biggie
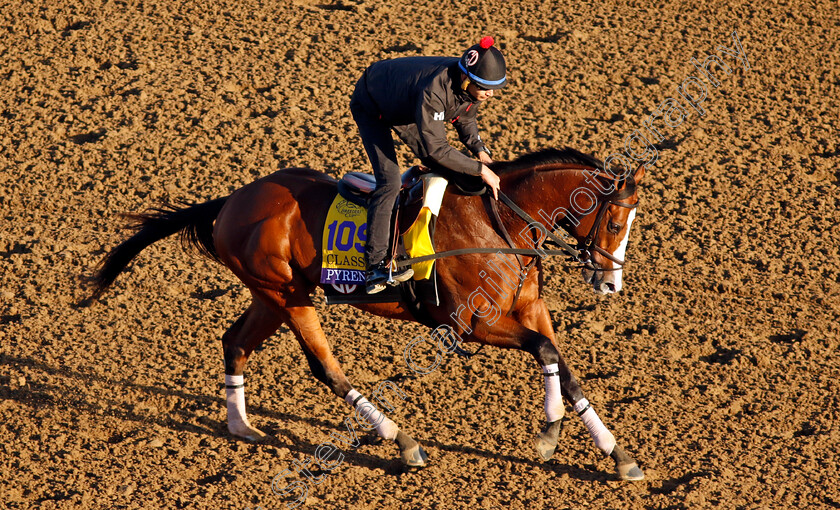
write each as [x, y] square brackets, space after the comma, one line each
[603, 438]
[554, 408]
[236, 400]
[369, 416]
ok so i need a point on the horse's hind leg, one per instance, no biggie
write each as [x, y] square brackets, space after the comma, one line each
[257, 323]
[303, 321]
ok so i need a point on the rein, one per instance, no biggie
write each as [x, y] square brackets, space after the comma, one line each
[573, 253]
[533, 252]
[582, 254]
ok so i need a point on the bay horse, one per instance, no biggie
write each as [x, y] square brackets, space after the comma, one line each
[268, 233]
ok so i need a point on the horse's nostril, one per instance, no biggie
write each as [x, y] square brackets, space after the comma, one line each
[609, 287]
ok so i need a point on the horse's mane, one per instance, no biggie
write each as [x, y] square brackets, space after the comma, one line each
[546, 157]
[564, 155]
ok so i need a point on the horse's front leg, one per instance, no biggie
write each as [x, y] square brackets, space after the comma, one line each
[559, 382]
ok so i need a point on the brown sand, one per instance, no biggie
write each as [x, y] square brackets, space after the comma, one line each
[716, 367]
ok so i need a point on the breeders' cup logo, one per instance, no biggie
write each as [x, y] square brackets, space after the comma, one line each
[349, 209]
[344, 288]
[471, 58]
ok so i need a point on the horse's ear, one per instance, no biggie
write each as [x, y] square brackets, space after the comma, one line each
[640, 172]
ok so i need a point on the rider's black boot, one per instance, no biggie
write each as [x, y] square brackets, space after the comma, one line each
[380, 275]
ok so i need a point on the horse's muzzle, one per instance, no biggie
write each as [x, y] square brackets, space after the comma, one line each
[603, 282]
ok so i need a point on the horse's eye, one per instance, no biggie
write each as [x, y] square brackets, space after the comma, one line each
[614, 228]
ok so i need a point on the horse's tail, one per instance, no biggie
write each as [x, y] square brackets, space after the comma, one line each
[193, 221]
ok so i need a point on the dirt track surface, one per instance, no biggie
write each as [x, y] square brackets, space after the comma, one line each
[716, 367]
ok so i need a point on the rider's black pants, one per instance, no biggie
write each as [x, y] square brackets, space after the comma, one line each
[379, 146]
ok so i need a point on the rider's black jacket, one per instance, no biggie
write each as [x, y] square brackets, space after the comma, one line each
[417, 97]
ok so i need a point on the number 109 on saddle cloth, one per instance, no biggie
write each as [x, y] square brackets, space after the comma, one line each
[344, 238]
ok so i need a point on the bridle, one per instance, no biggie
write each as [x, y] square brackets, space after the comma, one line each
[587, 246]
[583, 251]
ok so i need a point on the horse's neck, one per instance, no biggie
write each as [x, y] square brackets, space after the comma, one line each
[547, 193]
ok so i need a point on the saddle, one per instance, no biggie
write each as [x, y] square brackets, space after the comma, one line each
[344, 237]
[420, 198]
[357, 186]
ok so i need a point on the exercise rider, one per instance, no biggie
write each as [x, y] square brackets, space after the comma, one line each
[417, 97]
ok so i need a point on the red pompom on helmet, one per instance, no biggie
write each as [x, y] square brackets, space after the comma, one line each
[484, 65]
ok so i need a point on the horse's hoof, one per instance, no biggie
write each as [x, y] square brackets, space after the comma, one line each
[546, 441]
[545, 448]
[625, 466]
[414, 456]
[246, 431]
[411, 453]
[630, 472]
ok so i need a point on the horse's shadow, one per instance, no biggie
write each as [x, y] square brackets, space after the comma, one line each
[553, 465]
[43, 395]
